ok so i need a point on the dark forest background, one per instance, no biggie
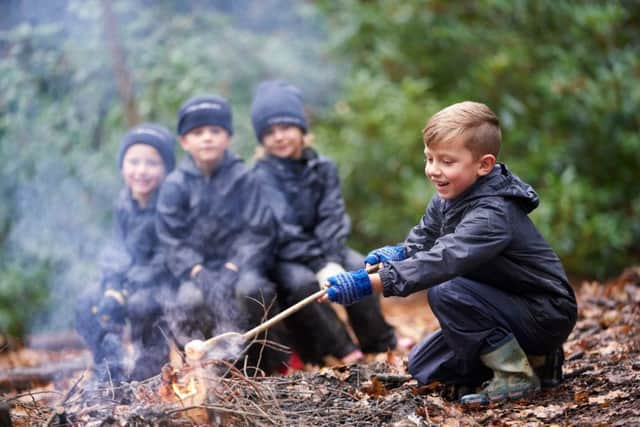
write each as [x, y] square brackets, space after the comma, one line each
[75, 74]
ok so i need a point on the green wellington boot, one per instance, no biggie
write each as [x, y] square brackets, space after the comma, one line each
[513, 377]
[548, 367]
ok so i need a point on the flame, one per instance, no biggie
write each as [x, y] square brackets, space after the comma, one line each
[185, 392]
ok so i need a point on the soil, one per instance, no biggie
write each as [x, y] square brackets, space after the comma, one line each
[601, 385]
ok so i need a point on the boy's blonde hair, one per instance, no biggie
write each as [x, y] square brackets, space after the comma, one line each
[479, 125]
[260, 152]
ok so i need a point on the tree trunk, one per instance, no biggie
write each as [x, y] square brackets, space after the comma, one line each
[123, 76]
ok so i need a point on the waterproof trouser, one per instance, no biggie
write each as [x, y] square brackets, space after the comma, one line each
[474, 318]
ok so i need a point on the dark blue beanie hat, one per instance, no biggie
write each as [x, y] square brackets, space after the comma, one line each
[205, 110]
[154, 135]
[276, 102]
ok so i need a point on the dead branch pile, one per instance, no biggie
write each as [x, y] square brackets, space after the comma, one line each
[344, 396]
[602, 387]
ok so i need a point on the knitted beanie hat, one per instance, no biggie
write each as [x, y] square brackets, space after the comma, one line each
[276, 102]
[203, 110]
[154, 135]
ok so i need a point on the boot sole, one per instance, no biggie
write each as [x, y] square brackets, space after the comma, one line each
[483, 400]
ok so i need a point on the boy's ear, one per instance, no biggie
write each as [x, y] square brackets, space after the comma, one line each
[487, 162]
[182, 140]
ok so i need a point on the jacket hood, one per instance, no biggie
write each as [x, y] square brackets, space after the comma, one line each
[502, 183]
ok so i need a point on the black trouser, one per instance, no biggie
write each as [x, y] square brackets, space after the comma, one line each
[104, 339]
[316, 329]
[474, 319]
[149, 329]
[221, 301]
[144, 312]
[374, 334]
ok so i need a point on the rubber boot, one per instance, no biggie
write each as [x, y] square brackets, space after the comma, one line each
[548, 367]
[513, 377]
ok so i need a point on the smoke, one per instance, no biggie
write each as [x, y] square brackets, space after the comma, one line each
[61, 222]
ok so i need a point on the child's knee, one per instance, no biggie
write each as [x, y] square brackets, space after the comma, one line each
[254, 286]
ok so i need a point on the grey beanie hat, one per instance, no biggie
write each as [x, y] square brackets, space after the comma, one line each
[203, 110]
[155, 135]
[276, 102]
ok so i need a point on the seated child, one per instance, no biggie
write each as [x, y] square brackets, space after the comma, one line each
[217, 233]
[497, 288]
[303, 189]
[135, 281]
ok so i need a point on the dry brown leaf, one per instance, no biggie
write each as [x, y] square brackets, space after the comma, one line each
[606, 398]
[581, 396]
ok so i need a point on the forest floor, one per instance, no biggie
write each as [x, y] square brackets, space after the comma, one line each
[601, 386]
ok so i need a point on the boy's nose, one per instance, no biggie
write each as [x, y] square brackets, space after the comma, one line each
[278, 134]
[142, 168]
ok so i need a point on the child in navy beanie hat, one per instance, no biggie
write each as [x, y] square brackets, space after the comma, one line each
[205, 110]
[276, 102]
[154, 135]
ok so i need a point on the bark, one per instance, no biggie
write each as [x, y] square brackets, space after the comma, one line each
[119, 63]
[25, 378]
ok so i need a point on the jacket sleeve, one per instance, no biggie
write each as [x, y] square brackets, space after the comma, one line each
[423, 235]
[333, 225]
[482, 234]
[149, 274]
[114, 258]
[255, 247]
[174, 230]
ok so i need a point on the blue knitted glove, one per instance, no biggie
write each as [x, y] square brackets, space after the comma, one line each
[385, 253]
[350, 287]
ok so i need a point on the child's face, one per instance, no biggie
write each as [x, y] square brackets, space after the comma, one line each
[206, 144]
[452, 167]
[286, 141]
[142, 171]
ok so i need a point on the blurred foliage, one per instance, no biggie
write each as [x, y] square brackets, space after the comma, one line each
[22, 295]
[561, 75]
[563, 78]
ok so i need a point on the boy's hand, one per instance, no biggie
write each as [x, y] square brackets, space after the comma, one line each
[195, 270]
[331, 269]
[385, 253]
[112, 309]
[349, 287]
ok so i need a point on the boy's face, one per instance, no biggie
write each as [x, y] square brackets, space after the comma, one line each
[142, 171]
[452, 167]
[206, 144]
[285, 141]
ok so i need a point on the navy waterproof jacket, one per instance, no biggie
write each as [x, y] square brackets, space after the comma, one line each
[307, 201]
[133, 259]
[485, 235]
[216, 219]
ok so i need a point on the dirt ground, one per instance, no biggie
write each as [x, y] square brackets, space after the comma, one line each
[601, 387]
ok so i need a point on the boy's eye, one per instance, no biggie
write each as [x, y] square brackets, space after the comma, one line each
[268, 132]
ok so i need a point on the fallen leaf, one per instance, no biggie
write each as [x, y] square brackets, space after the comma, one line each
[605, 399]
[580, 396]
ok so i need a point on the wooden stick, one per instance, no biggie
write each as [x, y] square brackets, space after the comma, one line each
[196, 349]
[291, 310]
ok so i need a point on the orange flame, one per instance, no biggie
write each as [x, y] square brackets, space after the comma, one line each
[184, 392]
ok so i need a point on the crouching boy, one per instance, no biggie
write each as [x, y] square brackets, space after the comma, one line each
[498, 290]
